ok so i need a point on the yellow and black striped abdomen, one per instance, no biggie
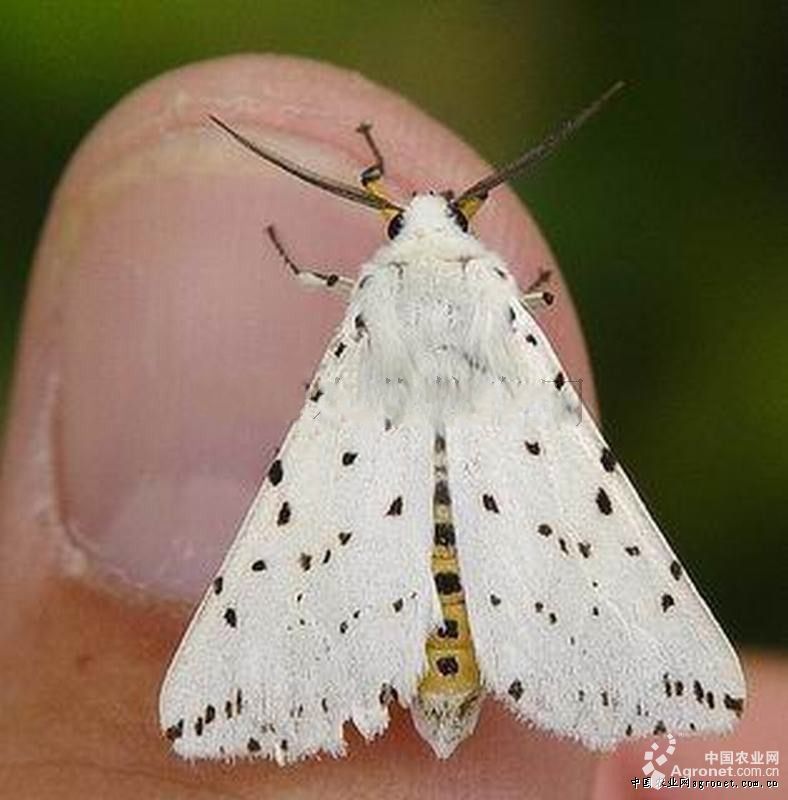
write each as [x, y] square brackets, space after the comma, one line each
[450, 691]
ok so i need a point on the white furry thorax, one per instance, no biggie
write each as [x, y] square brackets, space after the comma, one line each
[436, 307]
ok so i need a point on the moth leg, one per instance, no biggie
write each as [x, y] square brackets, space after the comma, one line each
[533, 299]
[542, 278]
[537, 301]
[311, 278]
[375, 171]
[371, 177]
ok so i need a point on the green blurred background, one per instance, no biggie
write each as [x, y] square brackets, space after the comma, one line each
[669, 215]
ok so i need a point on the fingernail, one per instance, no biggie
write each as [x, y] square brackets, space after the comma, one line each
[187, 346]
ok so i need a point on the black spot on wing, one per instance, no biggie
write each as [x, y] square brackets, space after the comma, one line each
[603, 502]
[533, 448]
[488, 501]
[344, 537]
[632, 550]
[395, 509]
[283, 517]
[608, 460]
[275, 472]
[175, 731]
[584, 548]
[544, 529]
[667, 601]
[675, 569]
[559, 381]
[259, 565]
[515, 690]
[348, 458]
[387, 694]
[668, 686]
[735, 704]
[230, 617]
[218, 584]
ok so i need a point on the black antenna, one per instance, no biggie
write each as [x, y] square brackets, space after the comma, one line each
[481, 189]
[347, 191]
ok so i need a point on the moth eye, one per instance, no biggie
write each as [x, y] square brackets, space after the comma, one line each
[395, 226]
[459, 218]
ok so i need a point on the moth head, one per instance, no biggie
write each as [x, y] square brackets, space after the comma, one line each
[425, 212]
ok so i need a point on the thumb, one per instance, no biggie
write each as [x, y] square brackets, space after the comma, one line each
[165, 350]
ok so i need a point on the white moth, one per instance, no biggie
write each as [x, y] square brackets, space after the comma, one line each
[443, 521]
